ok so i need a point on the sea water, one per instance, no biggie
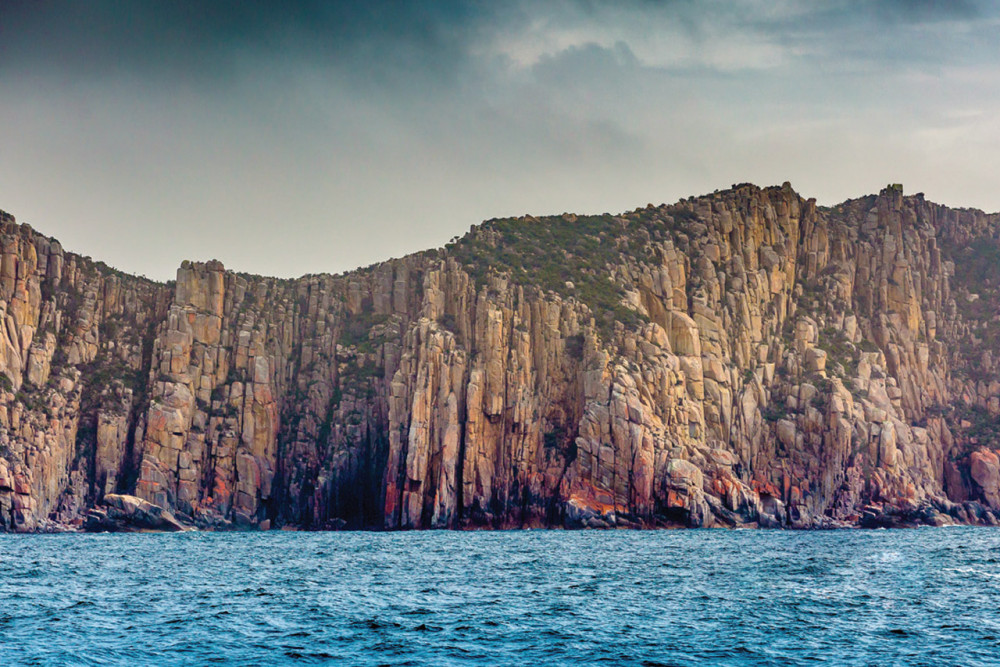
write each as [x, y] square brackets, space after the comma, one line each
[906, 597]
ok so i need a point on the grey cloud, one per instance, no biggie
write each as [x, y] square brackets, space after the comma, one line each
[585, 64]
[927, 10]
[332, 135]
[196, 40]
[393, 42]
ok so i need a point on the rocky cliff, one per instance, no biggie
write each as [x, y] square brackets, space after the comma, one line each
[742, 358]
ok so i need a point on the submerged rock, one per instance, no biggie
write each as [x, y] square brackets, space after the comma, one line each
[124, 513]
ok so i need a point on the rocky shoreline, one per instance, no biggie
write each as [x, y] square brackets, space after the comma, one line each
[120, 513]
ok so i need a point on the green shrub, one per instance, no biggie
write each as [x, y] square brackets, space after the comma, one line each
[548, 253]
[574, 346]
[774, 411]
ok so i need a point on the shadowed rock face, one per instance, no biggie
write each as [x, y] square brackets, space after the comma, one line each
[743, 358]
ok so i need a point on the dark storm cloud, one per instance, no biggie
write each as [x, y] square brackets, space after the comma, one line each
[197, 39]
[385, 41]
[925, 10]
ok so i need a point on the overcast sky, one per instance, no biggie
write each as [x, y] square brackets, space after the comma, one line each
[328, 136]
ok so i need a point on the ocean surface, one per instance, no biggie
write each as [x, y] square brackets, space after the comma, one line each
[905, 597]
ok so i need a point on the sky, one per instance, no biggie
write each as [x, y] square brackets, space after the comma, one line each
[293, 138]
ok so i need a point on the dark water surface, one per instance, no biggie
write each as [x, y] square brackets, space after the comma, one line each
[918, 597]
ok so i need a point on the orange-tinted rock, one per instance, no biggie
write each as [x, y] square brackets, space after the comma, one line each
[772, 362]
[984, 468]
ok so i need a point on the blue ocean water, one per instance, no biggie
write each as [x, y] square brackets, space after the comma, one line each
[917, 597]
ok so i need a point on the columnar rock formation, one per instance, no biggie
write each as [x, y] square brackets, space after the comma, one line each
[743, 358]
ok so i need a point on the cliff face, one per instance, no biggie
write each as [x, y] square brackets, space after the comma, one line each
[743, 358]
